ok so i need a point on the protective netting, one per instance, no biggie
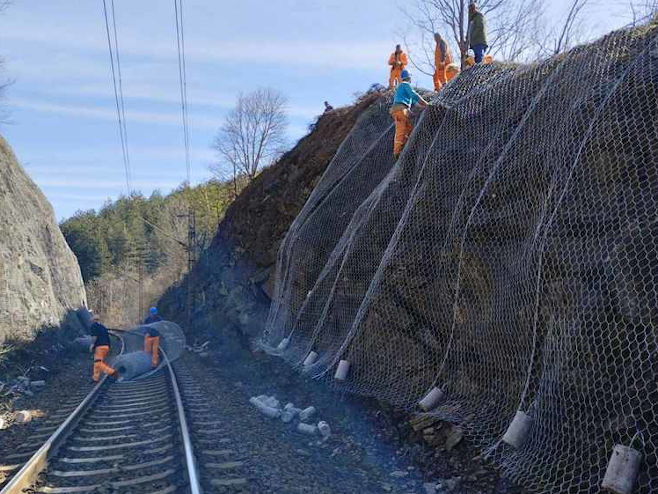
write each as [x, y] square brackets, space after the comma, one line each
[508, 257]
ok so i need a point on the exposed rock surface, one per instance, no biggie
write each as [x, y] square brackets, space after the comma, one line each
[40, 282]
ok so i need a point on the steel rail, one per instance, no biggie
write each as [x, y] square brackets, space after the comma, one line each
[190, 459]
[28, 474]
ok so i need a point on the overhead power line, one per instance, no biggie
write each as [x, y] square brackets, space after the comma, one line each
[118, 92]
[182, 79]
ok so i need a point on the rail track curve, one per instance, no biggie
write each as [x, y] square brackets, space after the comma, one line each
[122, 437]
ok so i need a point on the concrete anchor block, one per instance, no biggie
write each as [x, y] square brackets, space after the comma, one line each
[622, 470]
[309, 429]
[431, 399]
[518, 430]
[342, 370]
[310, 359]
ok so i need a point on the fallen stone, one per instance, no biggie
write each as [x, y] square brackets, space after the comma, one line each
[3, 423]
[453, 438]
[399, 474]
[37, 384]
[430, 488]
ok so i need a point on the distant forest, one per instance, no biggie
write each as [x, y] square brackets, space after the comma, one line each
[137, 231]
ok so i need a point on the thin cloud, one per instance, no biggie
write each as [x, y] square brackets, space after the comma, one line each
[109, 114]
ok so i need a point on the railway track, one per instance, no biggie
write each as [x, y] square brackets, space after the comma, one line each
[123, 437]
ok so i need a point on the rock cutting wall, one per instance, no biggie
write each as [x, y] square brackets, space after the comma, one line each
[40, 281]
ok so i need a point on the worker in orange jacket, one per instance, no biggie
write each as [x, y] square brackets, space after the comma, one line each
[442, 58]
[101, 348]
[398, 61]
[152, 337]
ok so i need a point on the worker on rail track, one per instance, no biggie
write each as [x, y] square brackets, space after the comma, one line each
[405, 97]
[152, 337]
[153, 316]
[398, 61]
[101, 348]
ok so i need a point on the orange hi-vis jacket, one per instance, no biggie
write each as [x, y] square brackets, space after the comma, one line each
[442, 58]
[398, 61]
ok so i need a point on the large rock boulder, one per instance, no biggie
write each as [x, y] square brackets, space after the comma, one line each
[40, 281]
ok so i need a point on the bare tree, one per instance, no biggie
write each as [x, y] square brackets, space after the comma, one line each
[253, 133]
[556, 38]
[642, 11]
[510, 25]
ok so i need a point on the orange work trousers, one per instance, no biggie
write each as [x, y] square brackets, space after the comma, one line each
[403, 127]
[100, 353]
[440, 77]
[395, 78]
[152, 346]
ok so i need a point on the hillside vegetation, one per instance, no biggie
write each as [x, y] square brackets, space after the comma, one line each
[147, 234]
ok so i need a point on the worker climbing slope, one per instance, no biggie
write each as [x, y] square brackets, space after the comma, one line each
[398, 61]
[152, 337]
[477, 32]
[405, 97]
[101, 348]
[442, 60]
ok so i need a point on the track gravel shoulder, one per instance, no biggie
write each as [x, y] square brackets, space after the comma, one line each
[281, 460]
[67, 383]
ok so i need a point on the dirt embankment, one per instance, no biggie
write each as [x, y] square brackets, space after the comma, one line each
[233, 280]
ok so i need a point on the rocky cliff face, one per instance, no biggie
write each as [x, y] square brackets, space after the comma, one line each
[40, 280]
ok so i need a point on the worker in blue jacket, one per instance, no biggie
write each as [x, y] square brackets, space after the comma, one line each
[405, 97]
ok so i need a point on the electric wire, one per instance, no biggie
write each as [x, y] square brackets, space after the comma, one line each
[120, 114]
[182, 79]
[121, 99]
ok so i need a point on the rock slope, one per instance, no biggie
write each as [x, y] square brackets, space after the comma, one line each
[40, 280]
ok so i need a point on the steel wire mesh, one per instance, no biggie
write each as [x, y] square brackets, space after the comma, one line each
[508, 257]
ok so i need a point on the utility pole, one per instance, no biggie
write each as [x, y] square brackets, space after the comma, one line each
[191, 261]
[140, 280]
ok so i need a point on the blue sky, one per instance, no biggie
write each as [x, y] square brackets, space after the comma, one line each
[62, 121]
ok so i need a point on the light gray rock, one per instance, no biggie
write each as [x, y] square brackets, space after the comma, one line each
[40, 279]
